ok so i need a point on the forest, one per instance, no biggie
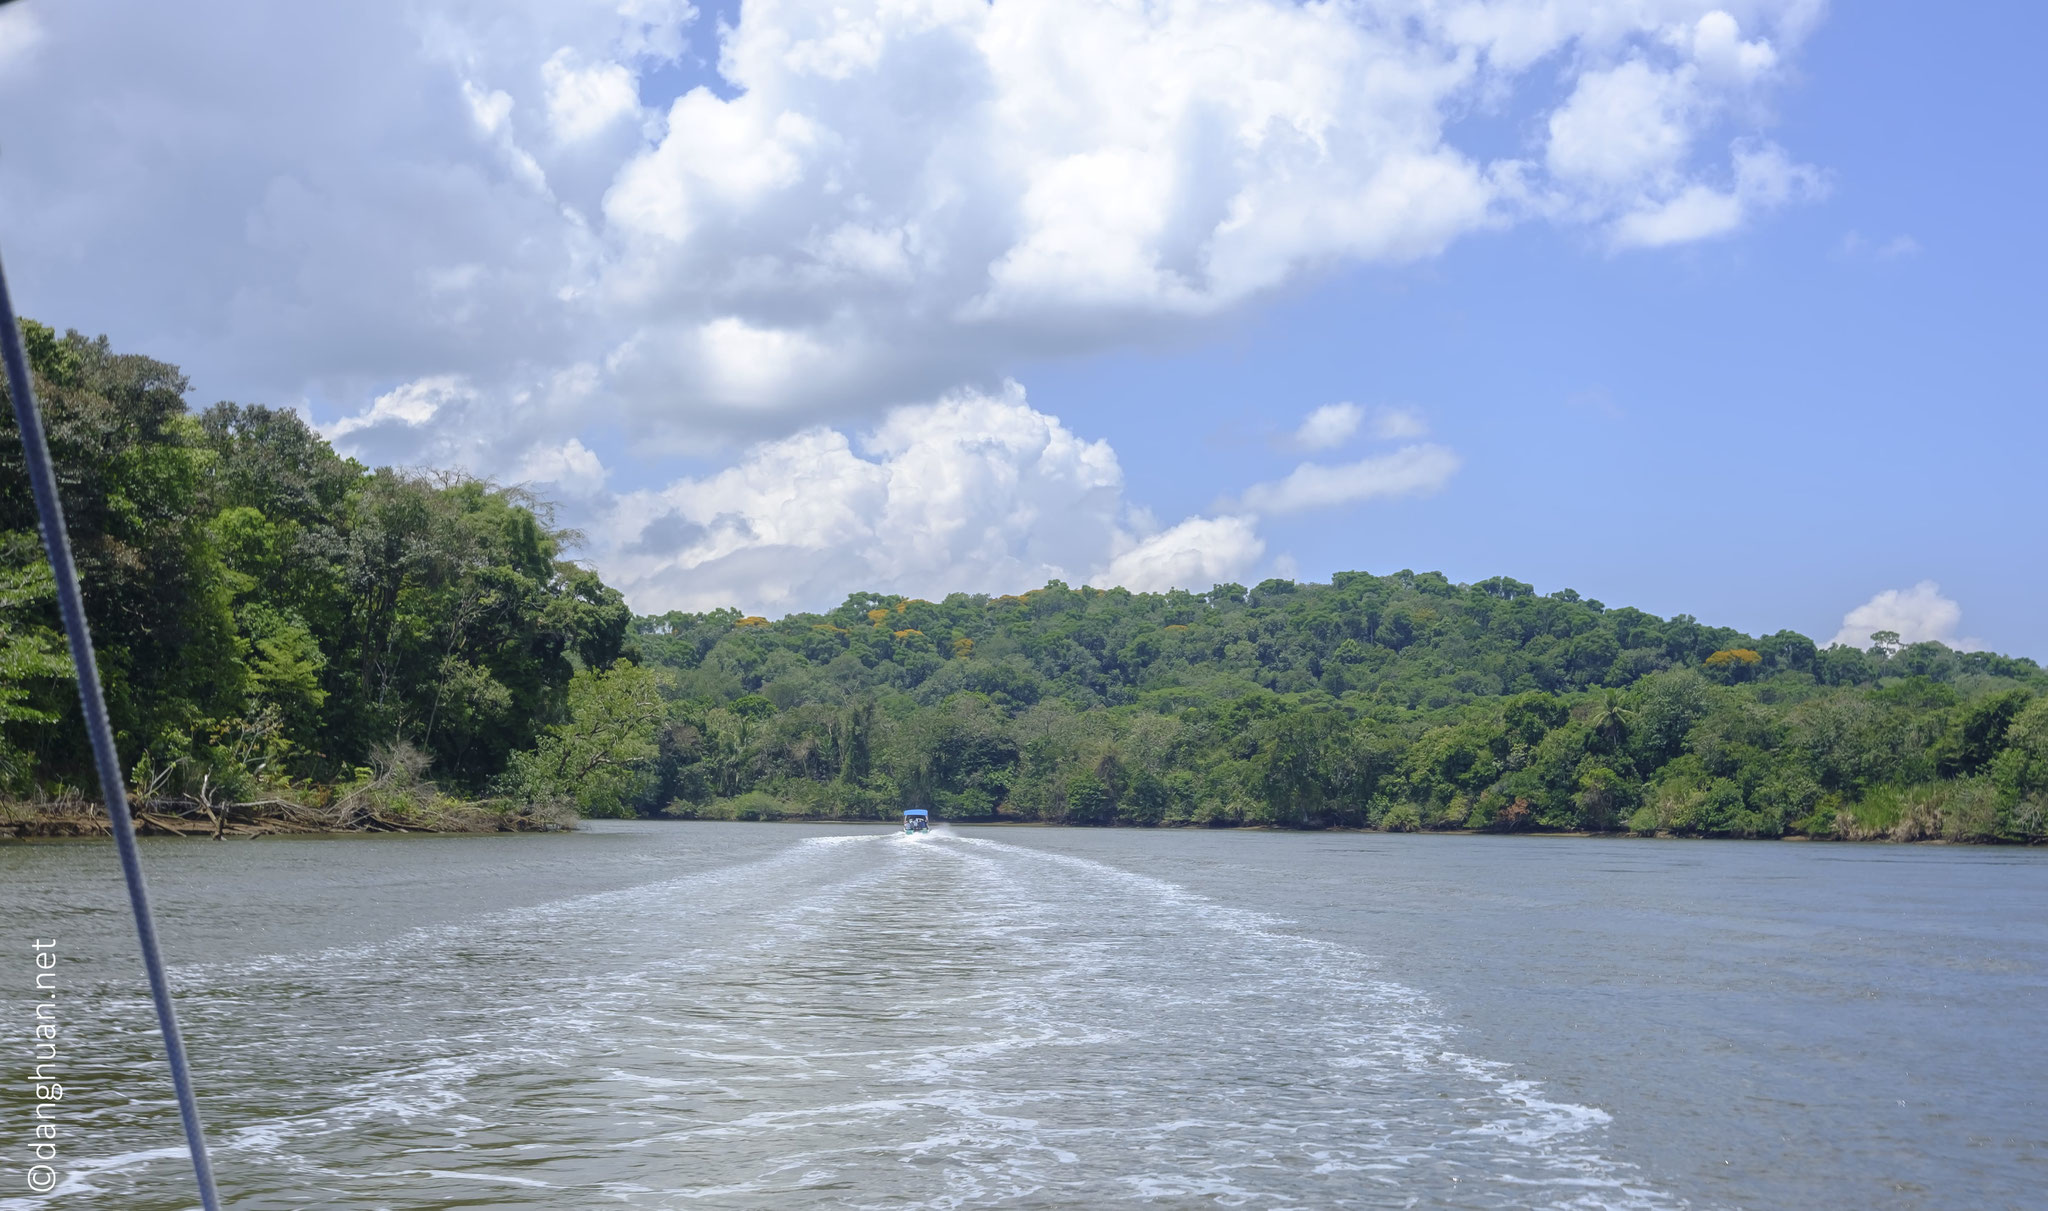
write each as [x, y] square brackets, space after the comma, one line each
[279, 624]
[1398, 702]
[275, 623]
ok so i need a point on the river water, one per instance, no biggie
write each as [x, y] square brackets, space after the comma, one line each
[655, 1015]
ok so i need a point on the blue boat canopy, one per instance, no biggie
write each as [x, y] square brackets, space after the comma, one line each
[915, 811]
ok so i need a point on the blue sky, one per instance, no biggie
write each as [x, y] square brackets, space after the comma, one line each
[1762, 431]
[1707, 308]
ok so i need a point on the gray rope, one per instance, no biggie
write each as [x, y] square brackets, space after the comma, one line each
[56, 541]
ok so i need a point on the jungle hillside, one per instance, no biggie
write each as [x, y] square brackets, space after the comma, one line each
[284, 631]
[280, 630]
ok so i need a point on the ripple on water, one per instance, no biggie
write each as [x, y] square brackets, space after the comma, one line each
[859, 1020]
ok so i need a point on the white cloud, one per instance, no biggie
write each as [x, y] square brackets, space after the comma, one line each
[1389, 423]
[1197, 553]
[570, 467]
[876, 202]
[1624, 142]
[1764, 177]
[1918, 615]
[975, 492]
[1329, 425]
[1717, 46]
[445, 420]
[584, 100]
[1622, 127]
[1410, 471]
[744, 365]
[1694, 214]
[718, 159]
[1334, 424]
[409, 405]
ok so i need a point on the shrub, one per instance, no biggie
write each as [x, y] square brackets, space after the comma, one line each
[760, 805]
[684, 809]
[2029, 818]
[1455, 814]
[2022, 769]
[1972, 811]
[1604, 797]
[1757, 822]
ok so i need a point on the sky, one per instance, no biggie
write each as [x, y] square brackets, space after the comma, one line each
[1730, 307]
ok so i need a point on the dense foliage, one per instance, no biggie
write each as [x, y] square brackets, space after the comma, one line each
[267, 612]
[1401, 701]
[271, 616]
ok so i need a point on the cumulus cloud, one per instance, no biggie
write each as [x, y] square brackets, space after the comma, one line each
[1918, 615]
[1719, 49]
[1410, 471]
[407, 406]
[1622, 146]
[1764, 177]
[584, 100]
[448, 420]
[977, 492]
[1622, 126]
[1197, 553]
[870, 203]
[464, 232]
[571, 468]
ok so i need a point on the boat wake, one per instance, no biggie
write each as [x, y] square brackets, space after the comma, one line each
[861, 1020]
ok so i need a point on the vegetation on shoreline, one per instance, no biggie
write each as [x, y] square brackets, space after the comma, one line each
[1400, 702]
[395, 798]
[287, 635]
[269, 616]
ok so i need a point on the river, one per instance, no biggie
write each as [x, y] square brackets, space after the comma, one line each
[779, 1016]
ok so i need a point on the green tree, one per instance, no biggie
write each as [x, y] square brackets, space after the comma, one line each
[259, 601]
[599, 755]
[1979, 733]
[132, 474]
[2021, 770]
[1611, 719]
[32, 664]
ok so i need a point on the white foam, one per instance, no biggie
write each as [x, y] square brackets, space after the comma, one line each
[940, 1025]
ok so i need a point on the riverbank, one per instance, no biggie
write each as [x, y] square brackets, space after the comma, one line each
[281, 817]
[1846, 827]
[186, 818]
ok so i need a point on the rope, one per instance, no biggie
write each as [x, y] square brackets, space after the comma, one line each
[56, 541]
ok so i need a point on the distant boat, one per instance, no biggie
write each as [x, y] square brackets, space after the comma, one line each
[917, 820]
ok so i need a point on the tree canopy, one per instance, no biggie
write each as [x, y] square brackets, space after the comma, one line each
[265, 609]
[1402, 701]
